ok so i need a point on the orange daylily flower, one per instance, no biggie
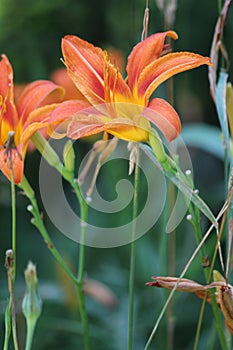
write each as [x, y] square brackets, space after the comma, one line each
[123, 107]
[20, 119]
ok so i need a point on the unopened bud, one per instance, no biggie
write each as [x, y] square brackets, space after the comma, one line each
[69, 156]
[32, 304]
[46, 150]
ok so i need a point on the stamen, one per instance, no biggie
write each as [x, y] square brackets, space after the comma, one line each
[9, 146]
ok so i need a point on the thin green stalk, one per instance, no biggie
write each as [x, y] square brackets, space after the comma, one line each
[133, 256]
[30, 332]
[196, 251]
[207, 272]
[38, 222]
[13, 219]
[171, 272]
[80, 276]
[13, 273]
[52, 158]
[219, 7]
[198, 330]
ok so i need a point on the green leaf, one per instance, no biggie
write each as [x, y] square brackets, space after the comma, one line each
[179, 179]
[221, 107]
[205, 137]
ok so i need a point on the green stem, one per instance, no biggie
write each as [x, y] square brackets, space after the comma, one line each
[133, 256]
[80, 277]
[197, 336]
[13, 221]
[13, 274]
[38, 222]
[30, 332]
[207, 272]
[196, 251]
[52, 158]
[171, 271]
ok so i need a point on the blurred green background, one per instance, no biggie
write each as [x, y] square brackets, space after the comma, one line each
[30, 36]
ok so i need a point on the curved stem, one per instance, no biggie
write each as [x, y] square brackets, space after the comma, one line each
[38, 222]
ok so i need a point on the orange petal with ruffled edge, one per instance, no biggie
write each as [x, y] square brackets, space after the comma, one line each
[165, 67]
[8, 112]
[92, 72]
[38, 119]
[86, 65]
[17, 163]
[164, 117]
[144, 53]
[34, 95]
[66, 110]
[62, 115]
[125, 129]
[85, 125]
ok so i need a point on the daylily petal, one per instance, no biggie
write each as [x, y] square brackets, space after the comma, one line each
[82, 126]
[8, 111]
[165, 67]
[128, 130]
[86, 66]
[124, 129]
[17, 163]
[163, 115]
[67, 109]
[144, 53]
[62, 114]
[39, 118]
[33, 95]
[61, 78]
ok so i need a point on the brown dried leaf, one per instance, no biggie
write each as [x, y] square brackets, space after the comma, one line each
[226, 304]
[224, 293]
[215, 47]
[187, 285]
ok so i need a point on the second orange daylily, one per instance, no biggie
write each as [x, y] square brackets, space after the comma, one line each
[123, 107]
[20, 119]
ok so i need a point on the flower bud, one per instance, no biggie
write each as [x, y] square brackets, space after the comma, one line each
[69, 156]
[46, 150]
[32, 304]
